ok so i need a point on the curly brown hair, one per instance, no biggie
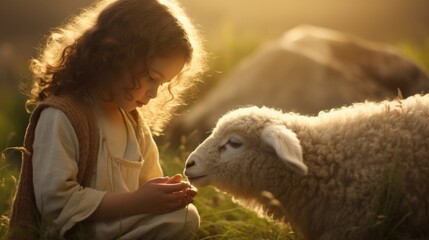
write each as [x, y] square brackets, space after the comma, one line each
[89, 51]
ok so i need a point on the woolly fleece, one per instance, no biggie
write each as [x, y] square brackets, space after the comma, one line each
[332, 188]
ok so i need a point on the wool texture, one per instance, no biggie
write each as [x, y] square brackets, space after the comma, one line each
[368, 168]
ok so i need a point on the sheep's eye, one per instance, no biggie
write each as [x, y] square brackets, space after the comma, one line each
[232, 142]
[235, 143]
[221, 148]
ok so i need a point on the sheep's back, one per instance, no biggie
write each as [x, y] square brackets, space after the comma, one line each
[351, 152]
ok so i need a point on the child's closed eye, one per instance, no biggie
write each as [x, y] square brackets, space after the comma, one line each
[152, 79]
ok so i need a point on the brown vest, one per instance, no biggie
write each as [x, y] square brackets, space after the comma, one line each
[25, 218]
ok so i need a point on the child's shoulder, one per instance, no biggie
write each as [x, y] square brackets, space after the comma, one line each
[51, 117]
[52, 111]
[66, 112]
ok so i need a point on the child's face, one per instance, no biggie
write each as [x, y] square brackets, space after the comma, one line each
[160, 70]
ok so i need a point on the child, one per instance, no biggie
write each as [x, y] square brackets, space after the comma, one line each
[92, 165]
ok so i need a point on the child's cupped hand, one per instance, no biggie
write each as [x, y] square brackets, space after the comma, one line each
[190, 192]
[165, 194]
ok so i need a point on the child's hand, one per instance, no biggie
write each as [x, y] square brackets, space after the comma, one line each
[189, 193]
[162, 195]
[175, 179]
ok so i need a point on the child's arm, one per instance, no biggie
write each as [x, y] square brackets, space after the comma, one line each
[157, 196]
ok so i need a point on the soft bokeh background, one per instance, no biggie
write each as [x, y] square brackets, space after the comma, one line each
[232, 29]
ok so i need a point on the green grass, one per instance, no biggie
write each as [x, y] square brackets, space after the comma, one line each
[385, 212]
[223, 219]
[8, 183]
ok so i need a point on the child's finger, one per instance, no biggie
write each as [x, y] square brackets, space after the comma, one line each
[179, 199]
[175, 179]
[191, 192]
[175, 203]
[174, 187]
[159, 180]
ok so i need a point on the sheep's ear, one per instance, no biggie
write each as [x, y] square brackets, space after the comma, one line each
[286, 145]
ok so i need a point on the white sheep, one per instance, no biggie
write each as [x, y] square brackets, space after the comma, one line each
[357, 172]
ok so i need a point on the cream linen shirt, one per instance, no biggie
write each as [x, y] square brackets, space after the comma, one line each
[63, 202]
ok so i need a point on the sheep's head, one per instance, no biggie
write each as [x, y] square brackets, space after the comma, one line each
[243, 142]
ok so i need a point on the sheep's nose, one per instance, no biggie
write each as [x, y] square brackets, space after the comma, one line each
[190, 164]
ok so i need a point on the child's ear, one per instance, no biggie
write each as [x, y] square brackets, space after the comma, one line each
[286, 145]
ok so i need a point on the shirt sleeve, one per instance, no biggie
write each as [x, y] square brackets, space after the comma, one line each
[61, 200]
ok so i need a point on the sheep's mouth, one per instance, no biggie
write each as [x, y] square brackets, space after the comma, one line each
[198, 181]
[196, 178]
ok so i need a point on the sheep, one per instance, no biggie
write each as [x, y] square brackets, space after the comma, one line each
[347, 173]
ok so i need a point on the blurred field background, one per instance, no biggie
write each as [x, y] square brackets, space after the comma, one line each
[232, 29]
